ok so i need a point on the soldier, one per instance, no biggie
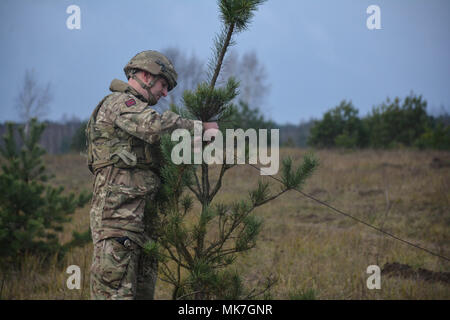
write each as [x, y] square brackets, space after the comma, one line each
[123, 136]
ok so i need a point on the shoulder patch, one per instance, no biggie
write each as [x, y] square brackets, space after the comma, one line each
[130, 102]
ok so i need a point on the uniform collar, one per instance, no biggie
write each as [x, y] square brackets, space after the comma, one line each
[120, 86]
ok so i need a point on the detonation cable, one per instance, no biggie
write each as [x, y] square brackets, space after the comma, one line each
[359, 220]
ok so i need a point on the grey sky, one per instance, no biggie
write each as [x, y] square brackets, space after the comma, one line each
[316, 53]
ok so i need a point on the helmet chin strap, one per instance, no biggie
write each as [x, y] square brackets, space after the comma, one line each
[151, 98]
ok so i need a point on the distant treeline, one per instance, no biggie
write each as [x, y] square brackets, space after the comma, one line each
[389, 125]
[56, 138]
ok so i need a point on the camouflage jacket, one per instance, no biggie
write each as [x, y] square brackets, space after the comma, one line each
[123, 133]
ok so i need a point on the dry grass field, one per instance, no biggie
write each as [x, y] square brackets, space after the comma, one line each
[314, 252]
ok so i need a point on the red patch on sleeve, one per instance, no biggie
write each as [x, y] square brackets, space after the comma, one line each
[130, 102]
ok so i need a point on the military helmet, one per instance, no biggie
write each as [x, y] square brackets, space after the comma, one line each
[154, 62]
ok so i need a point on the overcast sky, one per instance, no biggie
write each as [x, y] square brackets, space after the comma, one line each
[316, 52]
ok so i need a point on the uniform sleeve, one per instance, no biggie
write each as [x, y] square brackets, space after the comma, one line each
[171, 121]
[149, 125]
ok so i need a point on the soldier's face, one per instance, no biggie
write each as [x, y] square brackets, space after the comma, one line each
[160, 89]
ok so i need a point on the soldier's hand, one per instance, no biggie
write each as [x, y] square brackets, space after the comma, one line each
[210, 125]
[211, 129]
[197, 144]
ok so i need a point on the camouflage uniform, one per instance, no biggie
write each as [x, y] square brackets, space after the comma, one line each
[123, 135]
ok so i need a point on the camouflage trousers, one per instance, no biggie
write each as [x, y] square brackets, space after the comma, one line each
[123, 217]
[121, 271]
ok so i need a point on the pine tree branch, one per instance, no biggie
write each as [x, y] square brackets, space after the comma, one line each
[205, 203]
[223, 253]
[235, 224]
[223, 239]
[177, 260]
[199, 188]
[186, 255]
[222, 55]
[182, 251]
[205, 183]
[190, 294]
[178, 279]
[170, 278]
[270, 199]
[196, 193]
[218, 183]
